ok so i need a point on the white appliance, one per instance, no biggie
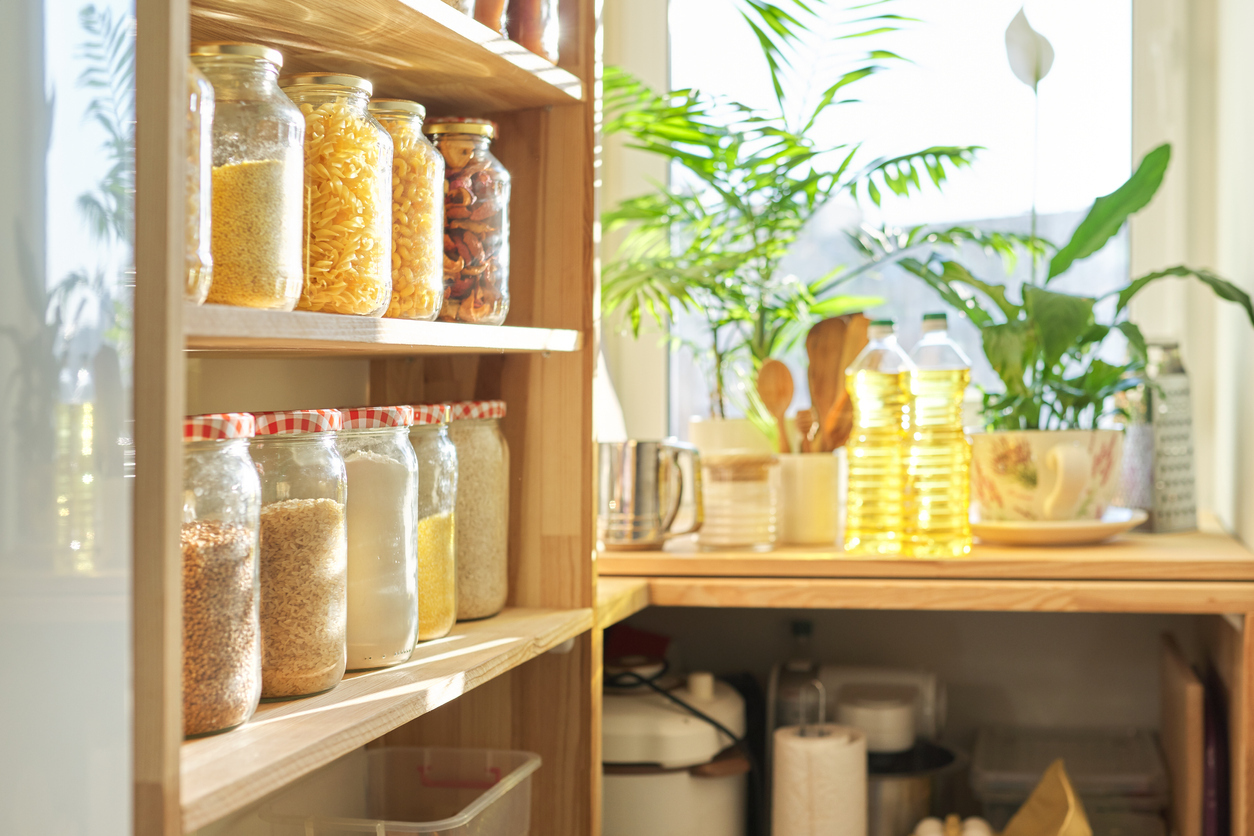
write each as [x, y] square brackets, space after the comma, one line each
[668, 772]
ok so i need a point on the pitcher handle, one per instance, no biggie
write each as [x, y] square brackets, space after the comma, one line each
[678, 449]
[1074, 467]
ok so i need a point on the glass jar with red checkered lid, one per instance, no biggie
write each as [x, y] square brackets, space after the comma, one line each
[481, 529]
[437, 495]
[382, 535]
[219, 536]
[304, 552]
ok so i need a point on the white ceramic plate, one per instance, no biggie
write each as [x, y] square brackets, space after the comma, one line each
[1066, 533]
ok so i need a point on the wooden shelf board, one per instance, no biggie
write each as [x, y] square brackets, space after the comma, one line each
[1153, 557]
[230, 331]
[284, 741]
[415, 49]
[618, 598]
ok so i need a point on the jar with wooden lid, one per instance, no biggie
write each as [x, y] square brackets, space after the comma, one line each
[304, 552]
[199, 175]
[417, 212]
[221, 631]
[476, 222]
[437, 495]
[481, 530]
[348, 196]
[382, 535]
[258, 164]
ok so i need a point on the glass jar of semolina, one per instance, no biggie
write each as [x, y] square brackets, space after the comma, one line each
[417, 212]
[437, 494]
[199, 177]
[348, 196]
[258, 154]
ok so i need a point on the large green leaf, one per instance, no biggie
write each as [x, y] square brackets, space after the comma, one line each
[1223, 288]
[1009, 348]
[1110, 212]
[1059, 320]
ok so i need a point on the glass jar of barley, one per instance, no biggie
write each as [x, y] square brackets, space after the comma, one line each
[348, 196]
[417, 212]
[481, 512]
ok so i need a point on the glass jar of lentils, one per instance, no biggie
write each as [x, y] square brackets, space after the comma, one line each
[481, 515]
[221, 632]
[417, 212]
[476, 222]
[304, 552]
[437, 495]
[348, 190]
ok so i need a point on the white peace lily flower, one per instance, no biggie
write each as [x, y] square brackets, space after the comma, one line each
[1030, 53]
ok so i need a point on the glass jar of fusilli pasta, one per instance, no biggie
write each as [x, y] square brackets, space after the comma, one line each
[348, 196]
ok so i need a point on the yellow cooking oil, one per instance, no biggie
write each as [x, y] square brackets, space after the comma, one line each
[878, 382]
[938, 458]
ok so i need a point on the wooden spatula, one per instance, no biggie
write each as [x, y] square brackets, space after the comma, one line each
[824, 346]
[776, 390]
[837, 422]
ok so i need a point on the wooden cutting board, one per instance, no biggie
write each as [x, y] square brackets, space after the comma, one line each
[1182, 729]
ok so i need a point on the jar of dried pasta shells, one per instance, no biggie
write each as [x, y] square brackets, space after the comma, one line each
[417, 211]
[199, 176]
[476, 222]
[258, 154]
[348, 196]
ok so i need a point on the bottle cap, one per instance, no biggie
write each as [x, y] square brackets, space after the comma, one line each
[882, 323]
[935, 322]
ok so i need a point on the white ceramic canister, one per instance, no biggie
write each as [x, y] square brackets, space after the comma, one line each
[811, 498]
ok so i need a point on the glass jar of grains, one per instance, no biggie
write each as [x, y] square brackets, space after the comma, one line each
[476, 222]
[482, 511]
[437, 493]
[199, 177]
[221, 634]
[382, 535]
[258, 164]
[304, 552]
[417, 212]
[348, 189]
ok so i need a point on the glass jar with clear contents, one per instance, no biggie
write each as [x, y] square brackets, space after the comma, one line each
[417, 212]
[257, 182]
[221, 632]
[348, 188]
[437, 496]
[199, 184]
[382, 535]
[476, 222]
[481, 529]
[304, 552]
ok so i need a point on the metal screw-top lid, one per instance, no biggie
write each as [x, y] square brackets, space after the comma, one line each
[461, 125]
[397, 107]
[228, 48]
[326, 79]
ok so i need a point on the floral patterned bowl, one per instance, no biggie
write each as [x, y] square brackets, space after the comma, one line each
[1044, 474]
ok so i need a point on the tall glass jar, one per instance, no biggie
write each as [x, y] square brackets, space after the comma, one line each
[348, 186]
[304, 552]
[382, 535]
[437, 495]
[258, 192]
[481, 529]
[221, 633]
[417, 212]
[199, 184]
[476, 222]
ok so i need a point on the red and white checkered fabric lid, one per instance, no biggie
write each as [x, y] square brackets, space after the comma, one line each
[431, 413]
[476, 409]
[298, 421]
[375, 417]
[219, 426]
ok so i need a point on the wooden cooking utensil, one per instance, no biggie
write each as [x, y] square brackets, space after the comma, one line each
[807, 430]
[824, 346]
[775, 388]
[838, 420]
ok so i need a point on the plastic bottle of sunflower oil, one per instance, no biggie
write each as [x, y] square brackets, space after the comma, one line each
[878, 381]
[938, 485]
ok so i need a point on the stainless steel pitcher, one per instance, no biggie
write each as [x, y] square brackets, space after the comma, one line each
[640, 485]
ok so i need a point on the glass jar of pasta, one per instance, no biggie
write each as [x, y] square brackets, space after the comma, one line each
[258, 165]
[417, 212]
[348, 188]
[199, 177]
[476, 222]
[221, 632]
[437, 494]
[304, 552]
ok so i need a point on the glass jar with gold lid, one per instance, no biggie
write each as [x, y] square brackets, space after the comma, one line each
[348, 191]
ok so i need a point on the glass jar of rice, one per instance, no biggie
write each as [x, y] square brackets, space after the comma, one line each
[481, 530]
[417, 212]
[304, 552]
[199, 177]
[348, 196]
[258, 164]
[437, 494]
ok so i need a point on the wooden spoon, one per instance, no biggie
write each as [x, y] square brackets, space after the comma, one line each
[775, 388]
[825, 345]
[807, 430]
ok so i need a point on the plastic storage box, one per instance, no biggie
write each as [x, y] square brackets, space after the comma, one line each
[451, 792]
[1113, 770]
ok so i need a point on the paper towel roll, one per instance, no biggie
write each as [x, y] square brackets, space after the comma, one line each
[819, 783]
